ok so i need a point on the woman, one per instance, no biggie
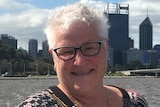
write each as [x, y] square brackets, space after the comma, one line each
[78, 42]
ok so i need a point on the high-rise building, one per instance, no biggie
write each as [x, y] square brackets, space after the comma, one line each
[45, 47]
[146, 57]
[145, 34]
[157, 48]
[9, 39]
[110, 58]
[135, 55]
[131, 43]
[118, 15]
[33, 47]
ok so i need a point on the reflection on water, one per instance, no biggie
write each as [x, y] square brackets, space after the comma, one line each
[13, 91]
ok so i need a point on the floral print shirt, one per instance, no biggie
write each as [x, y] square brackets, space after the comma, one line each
[43, 99]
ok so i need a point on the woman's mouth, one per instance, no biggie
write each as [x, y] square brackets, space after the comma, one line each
[82, 73]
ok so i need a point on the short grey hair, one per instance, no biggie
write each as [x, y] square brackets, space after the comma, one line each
[63, 17]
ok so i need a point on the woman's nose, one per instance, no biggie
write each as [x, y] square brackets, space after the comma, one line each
[79, 58]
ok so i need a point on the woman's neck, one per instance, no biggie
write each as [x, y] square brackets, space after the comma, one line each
[97, 98]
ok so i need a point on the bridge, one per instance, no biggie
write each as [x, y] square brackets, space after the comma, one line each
[143, 72]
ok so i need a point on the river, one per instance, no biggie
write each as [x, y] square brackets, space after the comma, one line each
[14, 90]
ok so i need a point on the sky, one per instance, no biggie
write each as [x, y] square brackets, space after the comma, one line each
[26, 19]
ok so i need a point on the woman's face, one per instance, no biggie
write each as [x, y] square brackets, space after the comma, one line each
[81, 73]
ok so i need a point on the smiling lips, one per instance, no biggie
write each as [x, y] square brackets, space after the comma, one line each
[80, 73]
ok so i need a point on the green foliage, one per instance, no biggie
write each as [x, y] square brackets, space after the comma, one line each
[19, 62]
[22, 54]
[6, 51]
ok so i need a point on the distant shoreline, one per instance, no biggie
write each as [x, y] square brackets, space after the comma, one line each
[30, 77]
[55, 77]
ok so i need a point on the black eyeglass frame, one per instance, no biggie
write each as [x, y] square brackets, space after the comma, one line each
[79, 48]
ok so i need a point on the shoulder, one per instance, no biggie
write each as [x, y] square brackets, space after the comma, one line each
[136, 98]
[39, 99]
[130, 98]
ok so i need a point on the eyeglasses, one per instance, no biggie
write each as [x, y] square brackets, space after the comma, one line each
[87, 49]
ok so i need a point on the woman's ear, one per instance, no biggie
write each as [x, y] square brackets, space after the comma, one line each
[54, 67]
[107, 46]
[50, 51]
[107, 41]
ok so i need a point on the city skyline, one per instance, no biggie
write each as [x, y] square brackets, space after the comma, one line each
[25, 19]
[38, 49]
[43, 41]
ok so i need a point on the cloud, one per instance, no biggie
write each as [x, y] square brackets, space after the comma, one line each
[91, 3]
[138, 10]
[14, 5]
[25, 24]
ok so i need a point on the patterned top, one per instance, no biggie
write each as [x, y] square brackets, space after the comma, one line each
[44, 99]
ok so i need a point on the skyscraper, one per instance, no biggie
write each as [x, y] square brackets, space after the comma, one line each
[9, 39]
[157, 48]
[131, 43]
[33, 47]
[145, 34]
[118, 15]
[45, 47]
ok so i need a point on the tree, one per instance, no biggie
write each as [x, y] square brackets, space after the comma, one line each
[19, 62]
[4, 66]
[7, 51]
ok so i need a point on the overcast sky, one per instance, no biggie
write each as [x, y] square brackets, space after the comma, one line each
[25, 19]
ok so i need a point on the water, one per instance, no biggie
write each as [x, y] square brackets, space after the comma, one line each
[13, 91]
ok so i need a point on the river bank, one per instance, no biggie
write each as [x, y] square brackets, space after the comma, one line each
[55, 77]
